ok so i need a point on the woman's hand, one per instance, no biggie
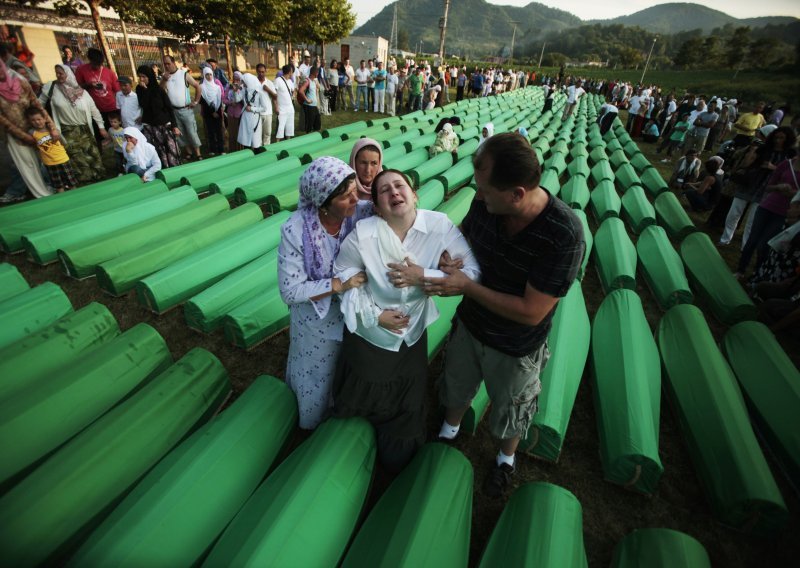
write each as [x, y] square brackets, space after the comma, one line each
[354, 281]
[405, 275]
[393, 320]
[129, 146]
[445, 261]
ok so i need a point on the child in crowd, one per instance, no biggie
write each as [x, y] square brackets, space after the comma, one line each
[675, 138]
[116, 132]
[52, 152]
[650, 132]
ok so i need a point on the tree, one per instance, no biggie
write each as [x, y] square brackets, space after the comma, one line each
[320, 21]
[690, 53]
[765, 52]
[402, 39]
[736, 47]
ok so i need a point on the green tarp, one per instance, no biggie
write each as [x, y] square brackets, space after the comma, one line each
[659, 548]
[172, 176]
[11, 281]
[458, 175]
[227, 184]
[256, 319]
[12, 230]
[204, 312]
[260, 191]
[615, 256]
[53, 349]
[771, 385]
[627, 392]
[120, 274]
[430, 168]
[201, 181]
[712, 280]
[190, 275]
[306, 511]
[602, 171]
[31, 311]
[671, 215]
[96, 467]
[177, 511]
[81, 260]
[605, 201]
[569, 347]
[41, 246]
[575, 192]
[549, 181]
[662, 268]
[542, 526]
[637, 210]
[423, 518]
[653, 182]
[714, 421]
[431, 194]
[47, 413]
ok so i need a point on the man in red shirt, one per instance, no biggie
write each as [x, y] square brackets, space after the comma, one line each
[101, 83]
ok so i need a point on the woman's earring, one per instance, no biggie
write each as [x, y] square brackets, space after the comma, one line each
[324, 212]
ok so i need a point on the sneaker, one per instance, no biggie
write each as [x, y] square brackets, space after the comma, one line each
[498, 479]
[5, 198]
[666, 161]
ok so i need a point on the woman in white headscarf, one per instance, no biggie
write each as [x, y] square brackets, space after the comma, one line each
[73, 112]
[486, 133]
[141, 157]
[250, 121]
[211, 109]
[446, 141]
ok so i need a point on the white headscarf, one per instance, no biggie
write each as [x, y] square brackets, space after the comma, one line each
[70, 88]
[489, 126]
[211, 92]
[137, 156]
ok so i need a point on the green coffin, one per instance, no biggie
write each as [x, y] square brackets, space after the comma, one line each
[259, 191]
[618, 157]
[11, 281]
[306, 511]
[467, 149]
[542, 526]
[671, 215]
[81, 260]
[605, 201]
[659, 548]
[201, 181]
[627, 392]
[575, 192]
[579, 166]
[556, 162]
[458, 175]
[588, 239]
[637, 210]
[420, 143]
[458, 205]
[602, 171]
[408, 161]
[598, 154]
[255, 320]
[75, 486]
[423, 518]
[120, 274]
[626, 177]
[47, 413]
[31, 311]
[662, 268]
[771, 386]
[712, 280]
[653, 182]
[615, 256]
[226, 185]
[172, 176]
[431, 168]
[569, 347]
[177, 511]
[640, 162]
[431, 194]
[204, 312]
[714, 421]
[549, 181]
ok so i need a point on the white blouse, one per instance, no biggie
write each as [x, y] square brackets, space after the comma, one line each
[84, 111]
[431, 235]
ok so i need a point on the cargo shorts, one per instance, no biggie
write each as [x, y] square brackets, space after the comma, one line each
[512, 382]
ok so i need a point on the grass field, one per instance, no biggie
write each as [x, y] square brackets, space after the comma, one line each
[609, 511]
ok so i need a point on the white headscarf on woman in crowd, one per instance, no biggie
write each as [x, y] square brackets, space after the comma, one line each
[69, 88]
[143, 154]
[489, 127]
[250, 122]
[211, 92]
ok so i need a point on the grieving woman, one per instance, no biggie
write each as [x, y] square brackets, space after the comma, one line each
[141, 157]
[384, 361]
[366, 158]
[310, 240]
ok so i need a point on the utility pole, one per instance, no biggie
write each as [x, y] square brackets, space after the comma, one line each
[513, 37]
[443, 30]
[541, 55]
[393, 35]
[646, 63]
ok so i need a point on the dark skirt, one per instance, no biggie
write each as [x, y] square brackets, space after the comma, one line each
[388, 389]
[162, 138]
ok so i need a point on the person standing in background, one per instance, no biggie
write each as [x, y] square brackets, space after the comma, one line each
[176, 83]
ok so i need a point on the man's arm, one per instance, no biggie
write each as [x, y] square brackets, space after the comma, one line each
[197, 92]
[529, 309]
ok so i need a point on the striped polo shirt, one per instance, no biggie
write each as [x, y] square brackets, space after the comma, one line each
[547, 254]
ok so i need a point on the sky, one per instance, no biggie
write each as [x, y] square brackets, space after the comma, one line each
[593, 9]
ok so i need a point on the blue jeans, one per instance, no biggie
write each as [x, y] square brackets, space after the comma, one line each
[361, 92]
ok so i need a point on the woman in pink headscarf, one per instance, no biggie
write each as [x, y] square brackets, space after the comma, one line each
[366, 159]
[16, 96]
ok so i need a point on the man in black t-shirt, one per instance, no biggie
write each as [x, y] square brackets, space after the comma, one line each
[529, 245]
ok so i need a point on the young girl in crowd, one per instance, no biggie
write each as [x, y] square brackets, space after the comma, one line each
[52, 152]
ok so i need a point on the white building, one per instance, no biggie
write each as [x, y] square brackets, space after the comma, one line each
[356, 48]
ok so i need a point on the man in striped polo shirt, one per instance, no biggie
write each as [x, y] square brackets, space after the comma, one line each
[529, 245]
